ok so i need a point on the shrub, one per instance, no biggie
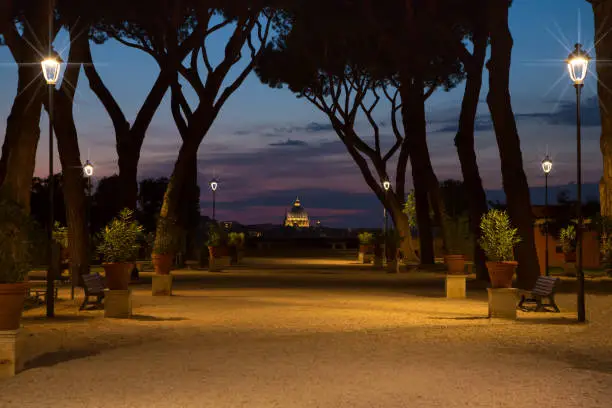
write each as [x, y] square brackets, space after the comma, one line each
[119, 239]
[410, 210]
[60, 234]
[567, 236]
[168, 237]
[216, 236]
[365, 238]
[236, 239]
[498, 238]
[457, 235]
[20, 238]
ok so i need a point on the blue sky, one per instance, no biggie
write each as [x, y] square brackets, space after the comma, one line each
[268, 146]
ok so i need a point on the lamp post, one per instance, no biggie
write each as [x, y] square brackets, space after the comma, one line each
[51, 70]
[386, 186]
[577, 66]
[88, 171]
[213, 186]
[546, 168]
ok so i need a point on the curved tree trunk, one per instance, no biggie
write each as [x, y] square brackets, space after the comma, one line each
[70, 157]
[464, 141]
[413, 118]
[602, 10]
[513, 175]
[23, 123]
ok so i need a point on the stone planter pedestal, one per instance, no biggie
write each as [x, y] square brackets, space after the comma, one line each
[364, 258]
[502, 303]
[455, 286]
[9, 353]
[392, 266]
[216, 264]
[118, 303]
[162, 285]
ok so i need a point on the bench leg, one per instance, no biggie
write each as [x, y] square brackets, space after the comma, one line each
[520, 305]
[553, 304]
[539, 305]
[84, 303]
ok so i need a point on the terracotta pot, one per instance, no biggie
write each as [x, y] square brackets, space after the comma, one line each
[570, 258]
[12, 296]
[162, 263]
[117, 275]
[455, 264]
[218, 252]
[501, 273]
[366, 249]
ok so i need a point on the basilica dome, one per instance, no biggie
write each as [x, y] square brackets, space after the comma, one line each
[297, 216]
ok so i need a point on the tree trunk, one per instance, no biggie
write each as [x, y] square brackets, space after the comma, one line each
[513, 175]
[603, 48]
[464, 141]
[128, 158]
[22, 133]
[62, 107]
[413, 119]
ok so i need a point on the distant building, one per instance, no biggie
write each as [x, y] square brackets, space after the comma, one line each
[297, 216]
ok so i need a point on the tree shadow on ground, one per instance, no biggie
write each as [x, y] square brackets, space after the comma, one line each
[146, 318]
[563, 321]
[462, 318]
[57, 319]
[57, 357]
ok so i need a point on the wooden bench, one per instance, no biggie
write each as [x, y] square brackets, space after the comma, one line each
[543, 289]
[40, 292]
[192, 264]
[93, 284]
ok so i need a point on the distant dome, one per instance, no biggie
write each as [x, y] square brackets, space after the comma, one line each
[297, 216]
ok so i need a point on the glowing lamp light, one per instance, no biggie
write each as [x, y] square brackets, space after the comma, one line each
[578, 65]
[386, 185]
[214, 184]
[51, 70]
[546, 165]
[88, 169]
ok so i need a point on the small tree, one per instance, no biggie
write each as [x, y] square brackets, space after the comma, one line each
[498, 236]
[567, 236]
[119, 239]
[365, 238]
[458, 236]
[60, 234]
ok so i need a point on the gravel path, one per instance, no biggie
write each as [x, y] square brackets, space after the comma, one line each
[304, 347]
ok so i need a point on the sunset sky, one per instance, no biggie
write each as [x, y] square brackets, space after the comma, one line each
[268, 147]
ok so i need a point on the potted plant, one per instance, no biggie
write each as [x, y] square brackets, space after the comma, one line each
[118, 247]
[567, 238]
[366, 248]
[17, 231]
[217, 246]
[379, 244]
[457, 237]
[236, 246]
[498, 240]
[165, 246]
[60, 235]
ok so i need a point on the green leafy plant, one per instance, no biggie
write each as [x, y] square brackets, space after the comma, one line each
[567, 237]
[410, 210]
[236, 239]
[498, 238]
[457, 235]
[216, 236]
[119, 239]
[168, 237]
[20, 238]
[365, 238]
[60, 234]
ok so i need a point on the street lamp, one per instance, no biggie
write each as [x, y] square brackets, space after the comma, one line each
[386, 186]
[213, 186]
[88, 171]
[51, 70]
[577, 66]
[546, 168]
